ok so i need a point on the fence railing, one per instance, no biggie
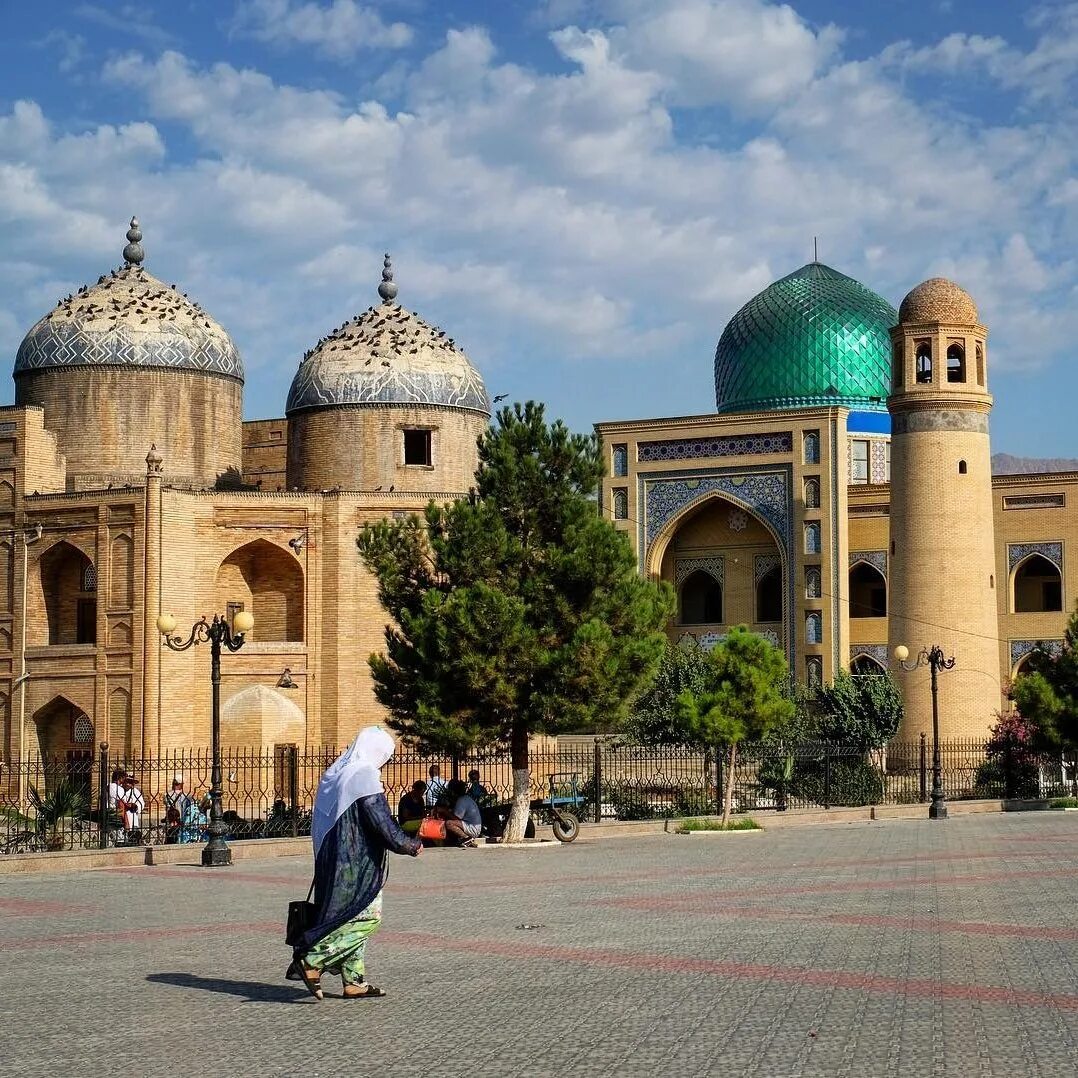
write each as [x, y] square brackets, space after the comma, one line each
[64, 802]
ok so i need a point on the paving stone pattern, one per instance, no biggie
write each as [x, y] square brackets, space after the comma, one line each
[875, 949]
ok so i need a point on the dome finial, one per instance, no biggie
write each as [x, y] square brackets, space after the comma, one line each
[133, 252]
[387, 289]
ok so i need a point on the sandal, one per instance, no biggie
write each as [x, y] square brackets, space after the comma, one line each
[370, 992]
[311, 979]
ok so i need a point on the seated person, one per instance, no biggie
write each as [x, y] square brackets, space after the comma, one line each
[412, 807]
[476, 790]
[466, 823]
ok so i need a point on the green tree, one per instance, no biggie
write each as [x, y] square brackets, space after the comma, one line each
[746, 698]
[653, 719]
[517, 610]
[863, 712]
[1046, 693]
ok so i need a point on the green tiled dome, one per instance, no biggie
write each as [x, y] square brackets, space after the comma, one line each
[816, 337]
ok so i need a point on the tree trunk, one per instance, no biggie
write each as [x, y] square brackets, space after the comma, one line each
[728, 801]
[518, 815]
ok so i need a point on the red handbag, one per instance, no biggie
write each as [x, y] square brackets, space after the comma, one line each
[431, 830]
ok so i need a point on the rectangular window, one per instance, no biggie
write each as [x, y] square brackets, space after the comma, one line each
[887, 462]
[859, 461]
[86, 621]
[417, 447]
[231, 610]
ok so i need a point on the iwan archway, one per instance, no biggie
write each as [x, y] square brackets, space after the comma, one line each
[727, 568]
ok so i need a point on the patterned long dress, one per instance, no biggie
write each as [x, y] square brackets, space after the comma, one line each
[350, 872]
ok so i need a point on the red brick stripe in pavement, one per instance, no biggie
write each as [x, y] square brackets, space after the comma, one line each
[752, 971]
[839, 886]
[32, 907]
[630, 960]
[969, 928]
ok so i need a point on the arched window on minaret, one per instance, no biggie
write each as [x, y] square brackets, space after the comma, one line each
[979, 352]
[924, 362]
[956, 362]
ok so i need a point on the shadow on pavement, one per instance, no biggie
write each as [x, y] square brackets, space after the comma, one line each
[251, 991]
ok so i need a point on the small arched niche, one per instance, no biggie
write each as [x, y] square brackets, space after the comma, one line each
[1038, 586]
[700, 600]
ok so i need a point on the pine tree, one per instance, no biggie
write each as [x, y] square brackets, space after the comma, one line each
[517, 610]
[746, 698]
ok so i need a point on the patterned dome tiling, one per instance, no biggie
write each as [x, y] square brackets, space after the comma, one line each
[387, 355]
[813, 338]
[129, 319]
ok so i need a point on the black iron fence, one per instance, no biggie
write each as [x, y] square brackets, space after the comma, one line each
[71, 802]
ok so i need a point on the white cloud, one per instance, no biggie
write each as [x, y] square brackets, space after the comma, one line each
[339, 30]
[745, 54]
[552, 216]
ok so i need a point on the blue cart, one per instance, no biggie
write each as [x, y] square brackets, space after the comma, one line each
[561, 807]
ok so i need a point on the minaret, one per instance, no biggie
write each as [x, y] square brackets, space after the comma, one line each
[942, 558]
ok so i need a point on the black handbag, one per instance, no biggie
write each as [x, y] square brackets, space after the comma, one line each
[301, 915]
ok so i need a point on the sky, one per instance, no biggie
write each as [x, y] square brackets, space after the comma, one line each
[581, 192]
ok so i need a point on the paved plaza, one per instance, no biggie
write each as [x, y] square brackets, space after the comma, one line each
[876, 949]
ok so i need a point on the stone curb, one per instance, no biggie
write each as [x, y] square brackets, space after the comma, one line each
[266, 848]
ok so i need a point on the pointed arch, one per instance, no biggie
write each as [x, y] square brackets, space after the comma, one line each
[956, 362]
[866, 666]
[62, 610]
[1036, 586]
[700, 599]
[266, 580]
[769, 596]
[119, 719]
[868, 591]
[122, 572]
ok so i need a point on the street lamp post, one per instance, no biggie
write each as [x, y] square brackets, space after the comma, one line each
[934, 659]
[216, 853]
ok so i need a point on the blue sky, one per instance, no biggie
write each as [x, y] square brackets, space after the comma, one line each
[581, 192]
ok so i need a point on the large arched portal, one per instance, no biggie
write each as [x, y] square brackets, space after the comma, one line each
[266, 581]
[726, 569]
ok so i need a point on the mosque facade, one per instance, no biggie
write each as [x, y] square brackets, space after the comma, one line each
[838, 500]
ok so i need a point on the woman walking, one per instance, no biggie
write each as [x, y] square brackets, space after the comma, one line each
[352, 830]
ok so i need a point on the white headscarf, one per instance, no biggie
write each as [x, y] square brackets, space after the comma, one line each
[354, 774]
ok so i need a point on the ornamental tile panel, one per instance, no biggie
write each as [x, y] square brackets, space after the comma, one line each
[762, 565]
[1021, 648]
[876, 558]
[878, 465]
[814, 338]
[737, 445]
[765, 493]
[712, 565]
[1017, 552]
[873, 651]
[619, 461]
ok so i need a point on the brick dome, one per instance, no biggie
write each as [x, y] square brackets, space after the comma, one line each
[939, 300]
[129, 319]
[387, 356]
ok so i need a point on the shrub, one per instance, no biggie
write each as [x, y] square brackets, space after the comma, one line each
[1011, 762]
[1063, 803]
[692, 801]
[630, 804]
[853, 782]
